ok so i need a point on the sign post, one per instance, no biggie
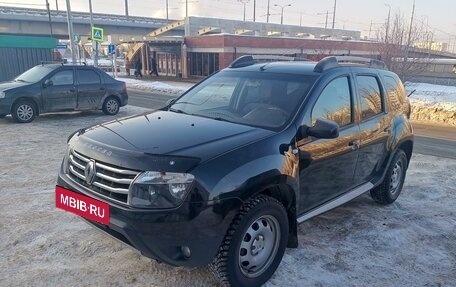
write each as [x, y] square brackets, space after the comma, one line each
[61, 48]
[112, 52]
[97, 36]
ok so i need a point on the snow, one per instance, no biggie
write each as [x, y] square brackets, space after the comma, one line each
[429, 95]
[171, 88]
[409, 243]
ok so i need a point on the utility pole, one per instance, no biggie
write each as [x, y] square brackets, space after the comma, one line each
[49, 15]
[267, 15]
[126, 9]
[70, 31]
[56, 5]
[254, 9]
[186, 9]
[167, 9]
[334, 15]
[95, 59]
[388, 22]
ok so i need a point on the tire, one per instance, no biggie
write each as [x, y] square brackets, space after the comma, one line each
[388, 191]
[111, 106]
[24, 111]
[261, 224]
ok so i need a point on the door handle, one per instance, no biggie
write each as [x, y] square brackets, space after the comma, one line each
[354, 144]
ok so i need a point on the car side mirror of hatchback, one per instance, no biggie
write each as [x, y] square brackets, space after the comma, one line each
[323, 129]
[47, 83]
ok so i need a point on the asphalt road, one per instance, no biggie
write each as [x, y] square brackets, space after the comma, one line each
[429, 139]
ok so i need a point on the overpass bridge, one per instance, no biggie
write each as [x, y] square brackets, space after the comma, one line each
[35, 22]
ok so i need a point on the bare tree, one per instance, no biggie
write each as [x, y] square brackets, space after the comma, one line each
[399, 51]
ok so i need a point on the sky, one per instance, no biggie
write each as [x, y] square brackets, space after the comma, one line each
[350, 14]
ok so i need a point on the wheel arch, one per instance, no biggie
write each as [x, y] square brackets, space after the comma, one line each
[30, 99]
[287, 197]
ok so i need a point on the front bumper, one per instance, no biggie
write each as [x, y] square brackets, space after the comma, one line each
[161, 234]
[5, 106]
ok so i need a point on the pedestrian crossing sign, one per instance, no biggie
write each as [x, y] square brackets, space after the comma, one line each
[97, 34]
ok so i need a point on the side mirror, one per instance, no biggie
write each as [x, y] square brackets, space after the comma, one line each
[47, 83]
[323, 129]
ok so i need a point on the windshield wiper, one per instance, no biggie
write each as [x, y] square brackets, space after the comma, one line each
[177, 111]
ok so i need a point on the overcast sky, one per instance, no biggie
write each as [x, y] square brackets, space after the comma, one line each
[350, 14]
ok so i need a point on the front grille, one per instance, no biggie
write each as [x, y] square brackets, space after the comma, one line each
[109, 181]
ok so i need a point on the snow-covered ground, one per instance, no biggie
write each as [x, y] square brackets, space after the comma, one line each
[409, 243]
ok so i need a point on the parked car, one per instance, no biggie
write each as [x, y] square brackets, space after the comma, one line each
[224, 174]
[56, 87]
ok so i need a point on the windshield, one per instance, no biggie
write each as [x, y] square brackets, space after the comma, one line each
[34, 74]
[266, 100]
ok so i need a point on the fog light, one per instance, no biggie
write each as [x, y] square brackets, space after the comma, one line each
[186, 251]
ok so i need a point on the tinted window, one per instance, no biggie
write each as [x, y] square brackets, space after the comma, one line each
[86, 77]
[62, 78]
[371, 99]
[395, 91]
[334, 103]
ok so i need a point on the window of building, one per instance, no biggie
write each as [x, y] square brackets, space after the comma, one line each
[203, 64]
[334, 103]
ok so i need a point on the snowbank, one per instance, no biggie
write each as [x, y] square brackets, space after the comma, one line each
[433, 103]
[157, 87]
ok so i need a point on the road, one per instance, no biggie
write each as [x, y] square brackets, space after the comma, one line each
[429, 139]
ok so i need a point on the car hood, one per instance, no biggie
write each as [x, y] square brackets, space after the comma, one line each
[11, 84]
[173, 134]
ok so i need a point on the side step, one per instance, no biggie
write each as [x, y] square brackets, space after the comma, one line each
[346, 197]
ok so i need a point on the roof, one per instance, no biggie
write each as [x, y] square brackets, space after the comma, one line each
[297, 67]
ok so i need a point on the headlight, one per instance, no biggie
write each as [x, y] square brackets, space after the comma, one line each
[2, 94]
[159, 189]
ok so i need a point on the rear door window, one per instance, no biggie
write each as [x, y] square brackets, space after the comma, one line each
[370, 96]
[88, 77]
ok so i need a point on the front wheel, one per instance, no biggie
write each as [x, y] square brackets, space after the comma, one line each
[24, 111]
[388, 191]
[254, 244]
[111, 106]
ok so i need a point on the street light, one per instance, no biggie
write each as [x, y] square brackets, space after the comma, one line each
[244, 2]
[282, 7]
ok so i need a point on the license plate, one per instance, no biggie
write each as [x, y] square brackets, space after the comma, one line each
[81, 205]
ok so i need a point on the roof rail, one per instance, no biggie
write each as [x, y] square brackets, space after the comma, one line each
[336, 61]
[248, 60]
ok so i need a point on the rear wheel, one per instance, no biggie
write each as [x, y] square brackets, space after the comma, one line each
[24, 111]
[254, 244]
[111, 106]
[388, 191]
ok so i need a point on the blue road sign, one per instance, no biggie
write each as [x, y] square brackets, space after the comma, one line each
[111, 49]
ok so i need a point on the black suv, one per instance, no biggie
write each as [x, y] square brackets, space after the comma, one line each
[56, 87]
[223, 175]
